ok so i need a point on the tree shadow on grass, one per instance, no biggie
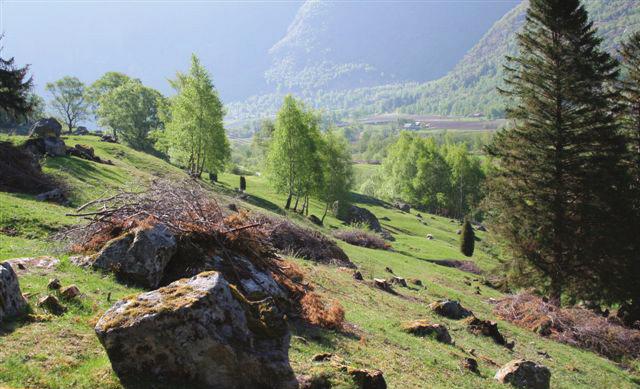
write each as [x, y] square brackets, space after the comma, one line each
[8, 326]
[264, 203]
[368, 200]
[326, 338]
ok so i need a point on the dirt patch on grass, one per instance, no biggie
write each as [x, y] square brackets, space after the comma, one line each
[578, 327]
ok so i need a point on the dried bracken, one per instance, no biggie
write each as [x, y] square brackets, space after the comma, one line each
[575, 326]
[316, 312]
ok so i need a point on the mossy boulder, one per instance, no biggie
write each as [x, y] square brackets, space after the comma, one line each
[12, 303]
[525, 375]
[197, 332]
[425, 328]
[450, 309]
[139, 257]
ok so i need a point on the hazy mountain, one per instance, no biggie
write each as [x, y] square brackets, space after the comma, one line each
[337, 45]
[470, 87]
[150, 40]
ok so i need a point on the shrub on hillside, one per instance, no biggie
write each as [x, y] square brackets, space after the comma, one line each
[20, 171]
[294, 240]
[467, 239]
[362, 238]
[575, 326]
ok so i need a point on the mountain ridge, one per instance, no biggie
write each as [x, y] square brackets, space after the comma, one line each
[469, 88]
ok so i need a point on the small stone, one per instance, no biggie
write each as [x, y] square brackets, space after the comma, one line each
[450, 309]
[425, 328]
[470, 364]
[367, 379]
[415, 281]
[459, 232]
[486, 328]
[321, 357]
[357, 276]
[524, 374]
[398, 281]
[21, 267]
[54, 284]
[429, 237]
[70, 292]
[52, 305]
[382, 284]
[388, 270]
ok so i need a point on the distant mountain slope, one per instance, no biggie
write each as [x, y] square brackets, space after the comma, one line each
[470, 87]
[335, 45]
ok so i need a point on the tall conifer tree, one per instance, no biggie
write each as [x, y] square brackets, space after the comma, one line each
[556, 190]
[630, 292]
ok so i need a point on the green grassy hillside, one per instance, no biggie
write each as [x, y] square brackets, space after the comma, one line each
[63, 352]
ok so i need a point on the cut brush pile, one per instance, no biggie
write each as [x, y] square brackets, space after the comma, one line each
[575, 326]
[207, 239]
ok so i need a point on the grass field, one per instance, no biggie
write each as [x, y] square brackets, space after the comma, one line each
[63, 352]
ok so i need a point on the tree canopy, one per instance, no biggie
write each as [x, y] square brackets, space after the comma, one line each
[131, 110]
[194, 135]
[556, 192]
[68, 100]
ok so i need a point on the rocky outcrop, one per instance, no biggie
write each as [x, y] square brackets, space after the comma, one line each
[357, 215]
[139, 256]
[45, 138]
[425, 328]
[524, 374]
[55, 147]
[450, 309]
[46, 128]
[12, 303]
[197, 332]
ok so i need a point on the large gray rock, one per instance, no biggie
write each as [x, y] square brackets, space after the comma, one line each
[12, 303]
[46, 128]
[198, 332]
[524, 374]
[353, 214]
[139, 256]
[55, 147]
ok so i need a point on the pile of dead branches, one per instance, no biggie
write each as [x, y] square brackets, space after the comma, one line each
[575, 326]
[202, 229]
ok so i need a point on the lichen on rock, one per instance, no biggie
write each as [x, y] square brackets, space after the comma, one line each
[200, 332]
